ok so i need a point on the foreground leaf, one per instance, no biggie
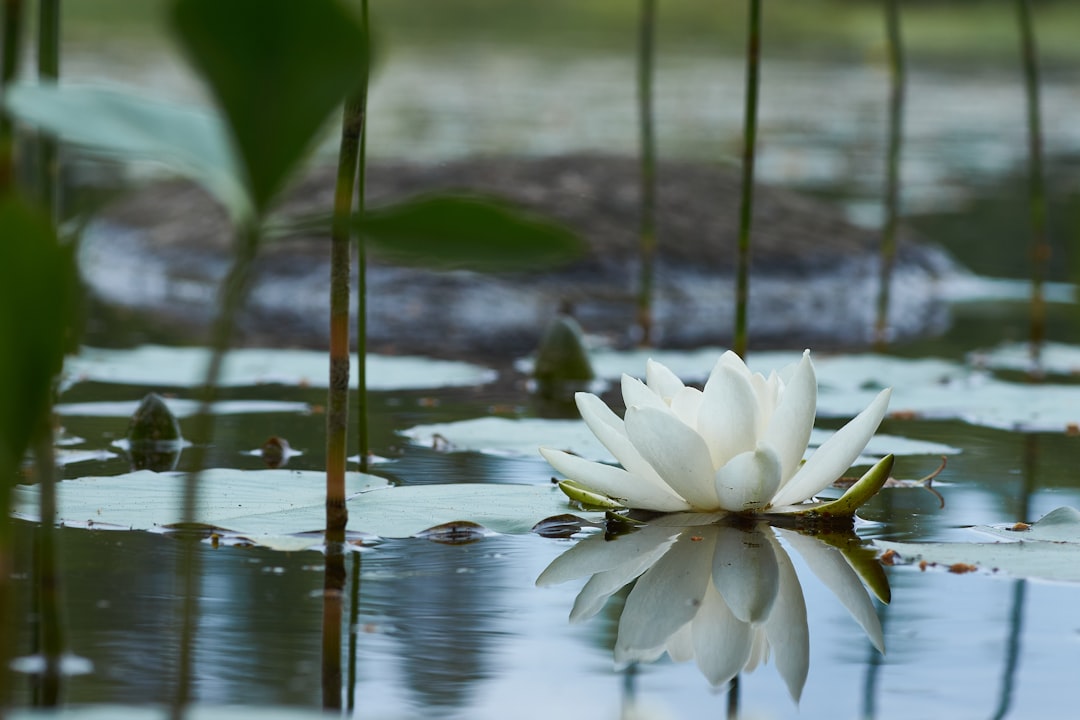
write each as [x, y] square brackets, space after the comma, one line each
[36, 291]
[128, 126]
[277, 68]
[466, 231]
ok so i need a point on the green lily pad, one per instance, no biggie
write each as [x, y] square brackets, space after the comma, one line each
[160, 366]
[274, 507]
[1046, 550]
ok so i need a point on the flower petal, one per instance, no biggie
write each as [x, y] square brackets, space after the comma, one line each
[722, 642]
[768, 394]
[833, 570]
[661, 380]
[749, 480]
[626, 488]
[677, 453]
[686, 405]
[728, 416]
[610, 430]
[637, 394]
[745, 573]
[835, 455]
[789, 429]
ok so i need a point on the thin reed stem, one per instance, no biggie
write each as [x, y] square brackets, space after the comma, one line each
[742, 272]
[234, 290]
[647, 246]
[1039, 247]
[47, 574]
[337, 414]
[897, 82]
[48, 69]
[361, 262]
[11, 20]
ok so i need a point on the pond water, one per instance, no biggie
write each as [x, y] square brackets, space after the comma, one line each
[463, 630]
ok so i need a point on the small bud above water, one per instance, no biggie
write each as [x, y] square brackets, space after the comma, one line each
[154, 439]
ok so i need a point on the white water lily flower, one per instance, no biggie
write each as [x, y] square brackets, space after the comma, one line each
[735, 446]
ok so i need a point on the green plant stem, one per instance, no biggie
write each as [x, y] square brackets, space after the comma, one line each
[233, 292]
[337, 409]
[897, 81]
[48, 61]
[46, 570]
[9, 69]
[362, 432]
[1039, 248]
[647, 248]
[742, 272]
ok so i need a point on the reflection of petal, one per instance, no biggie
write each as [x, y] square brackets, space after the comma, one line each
[728, 417]
[749, 480]
[722, 643]
[667, 596]
[831, 568]
[597, 554]
[626, 488]
[676, 452]
[745, 572]
[786, 626]
[789, 429]
[835, 455]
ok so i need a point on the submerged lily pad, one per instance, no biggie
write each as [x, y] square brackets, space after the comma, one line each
[160, 366]
[273, 507]
[1047, 550]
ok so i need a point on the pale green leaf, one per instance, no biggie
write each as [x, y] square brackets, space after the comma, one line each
[271, 507]
[1047, 550]
[128, 126]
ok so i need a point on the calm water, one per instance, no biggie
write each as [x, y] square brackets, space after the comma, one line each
[462, 630]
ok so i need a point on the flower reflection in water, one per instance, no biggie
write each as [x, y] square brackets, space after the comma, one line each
[725, 596]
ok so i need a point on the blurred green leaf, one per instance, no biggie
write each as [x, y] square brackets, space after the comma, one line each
[466, 231]
[123, 124]
[35, 312]
[277, 68]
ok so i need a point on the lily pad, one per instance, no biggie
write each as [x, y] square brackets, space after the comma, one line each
[195, 712]
[273, 507]
[1047, 550]
[181, 408]
[1054, 358]
[160, 366]
[522, 437]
